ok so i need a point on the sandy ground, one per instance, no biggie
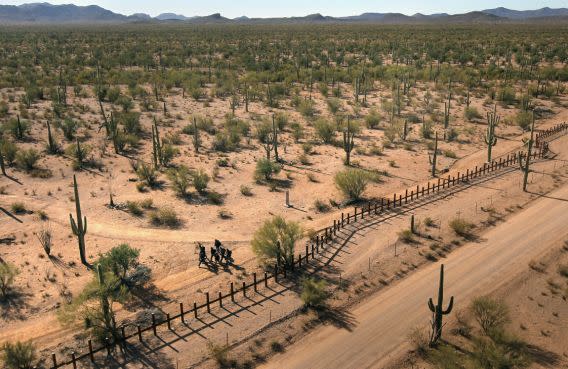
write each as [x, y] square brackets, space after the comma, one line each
[46, 284]
[384, 320]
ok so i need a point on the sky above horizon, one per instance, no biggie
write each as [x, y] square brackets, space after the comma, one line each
[264, 8]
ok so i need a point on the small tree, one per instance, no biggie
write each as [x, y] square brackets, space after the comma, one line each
[352, 182]
[275, 240]
[325, 130]
[490, 314]
[314, 292]
[8, 273]
[147, 174]
[19, 355]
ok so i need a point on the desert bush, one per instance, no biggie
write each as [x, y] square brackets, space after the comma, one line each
[297, 131]
[181, 179]
[219, 353]
[563, 270]
[168, 152]
[307, 108]
[200, 180]
[17, 127]
[418, 338]
[406, 236]
[147, 174]
[9, 151]
[472, 113]
[321, 206]
[246, 190]
[8, 273]
[462, 227]
[314, 292]
[164, 217]
[134, 208]
[27, 159]
[524, 120]
[123, 262]
[426, 129]
[491, 314]
[69, 128]
[373, 119]
[222, 142]
[333, 104]
[265, 169]
[19, 355]
[275, 241]
[352, 182]
[325, 130]
[18, 208]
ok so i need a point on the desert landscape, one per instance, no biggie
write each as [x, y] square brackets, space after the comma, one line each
[286, 193]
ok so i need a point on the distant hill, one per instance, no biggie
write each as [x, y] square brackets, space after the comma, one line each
[60, 14]
[527, 14]
[171, 16]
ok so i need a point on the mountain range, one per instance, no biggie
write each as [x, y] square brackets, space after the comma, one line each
[42, 13]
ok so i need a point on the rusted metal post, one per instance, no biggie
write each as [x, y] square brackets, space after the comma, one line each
[154, 324]
[220, 299]
[139, 332]
[91, 355]
[195, 309]
[73, 360]
[245, 288]
[168, 321]
[181, 312]
[207, 302]
[254, 281]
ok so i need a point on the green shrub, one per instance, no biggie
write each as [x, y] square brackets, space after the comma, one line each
[122, 261]
[18, 208]
[147, 174]
[462, 227]
[165, 217]
[373, 119]
[333, 104]
[321, 206]
[524, 120]
[181, 179]
[246, 191]
[352, 182]
[472, 113]
[325, 130]
[200, 180]
[19, 355]
[314, 292]
[9, 151]
[406, 236]
[134, 208]
[275, 241]
[8, 273]
[491, 314]
[265, 169]
[307, 108]
[27, 159]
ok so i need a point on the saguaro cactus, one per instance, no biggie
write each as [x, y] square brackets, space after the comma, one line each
[2, 166]
[51, 144]
[348, 143]
[196, 138]
[275, 139]
[524, 162]
[438, 311]
[412, 224]
[447, 106]
[434, 158]
[156, 145]
[490, 138]
[79, 227]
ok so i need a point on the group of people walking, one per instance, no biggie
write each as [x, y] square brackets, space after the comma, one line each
[218, 254]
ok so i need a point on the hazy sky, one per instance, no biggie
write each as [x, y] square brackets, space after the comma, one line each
[271, 8]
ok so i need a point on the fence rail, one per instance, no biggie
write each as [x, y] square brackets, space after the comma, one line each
[318, 243]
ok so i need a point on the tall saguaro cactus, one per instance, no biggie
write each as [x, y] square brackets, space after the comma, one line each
[524, 163]
[2, 166]
[434, 158]
[51, 144]
[196, 138]
[348, 142]
[447, 106]
[275, 139]
[156, 145]
[438, 311]
[79, 227]
[490, 138]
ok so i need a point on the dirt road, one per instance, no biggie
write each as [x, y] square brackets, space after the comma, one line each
[383, 321]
